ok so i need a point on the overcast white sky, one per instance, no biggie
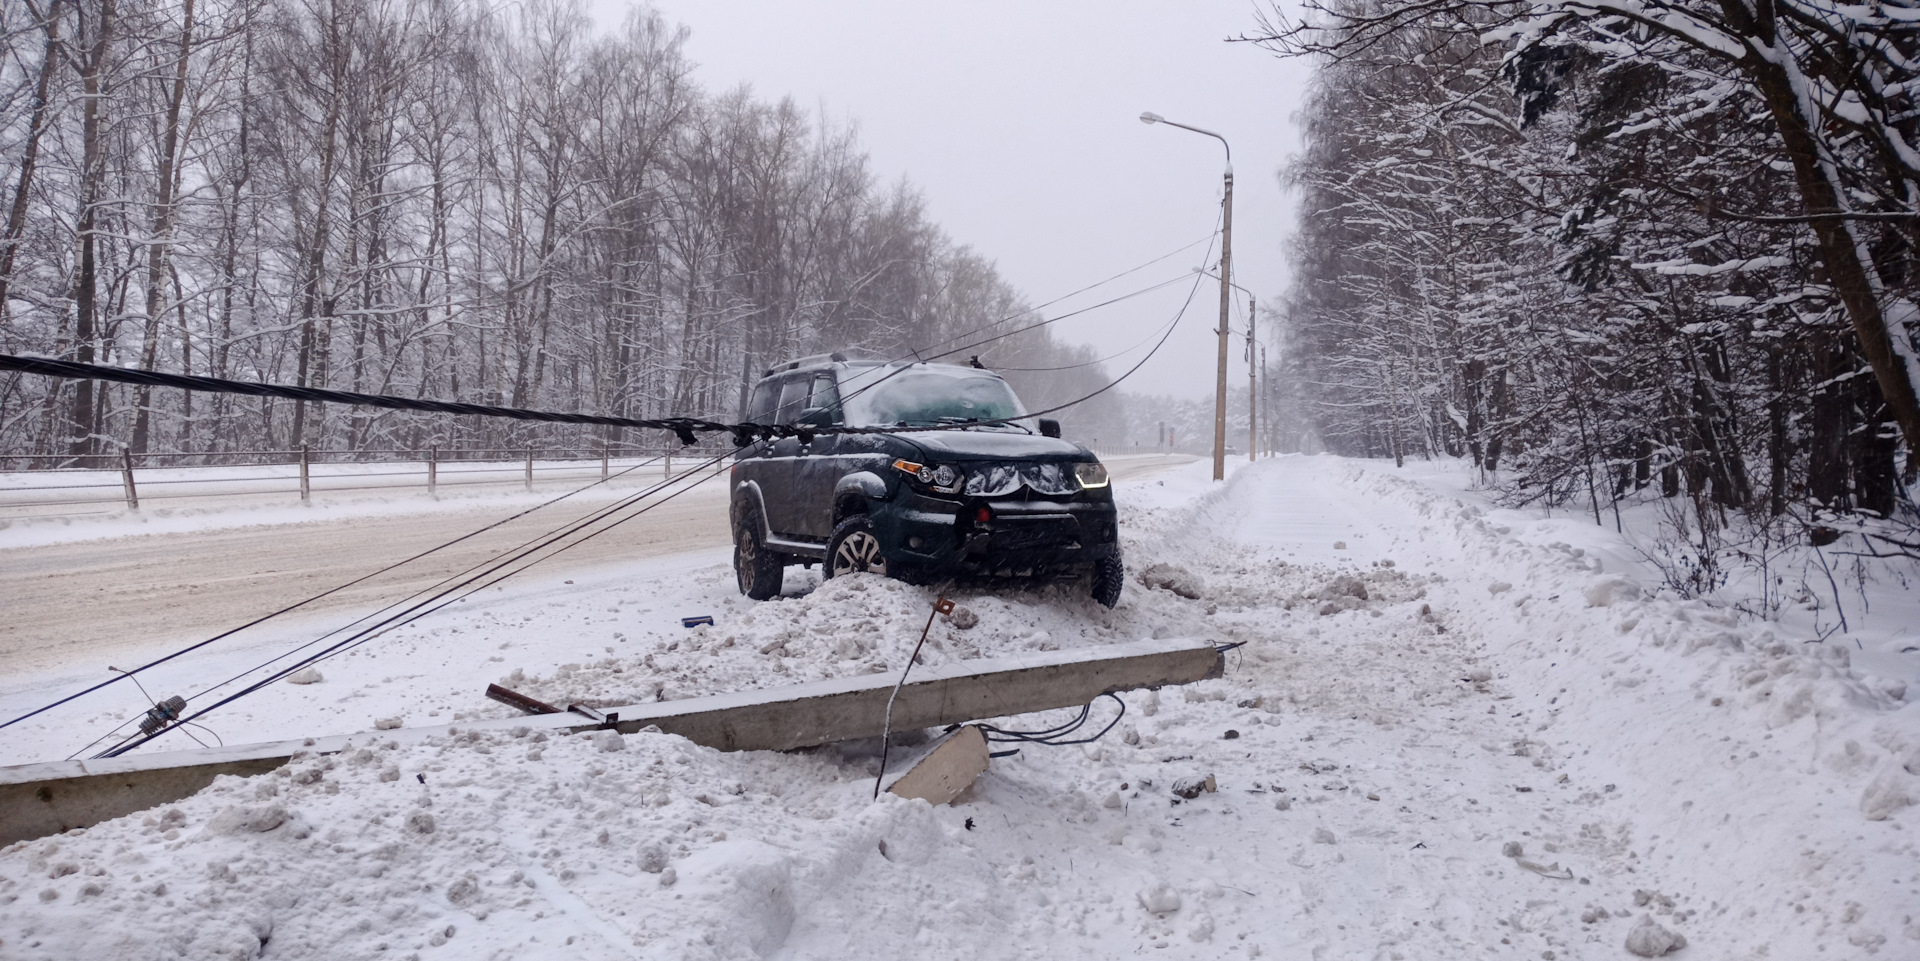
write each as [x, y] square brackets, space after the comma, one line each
[1017, 120]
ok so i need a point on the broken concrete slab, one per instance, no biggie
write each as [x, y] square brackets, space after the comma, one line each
[941, 774]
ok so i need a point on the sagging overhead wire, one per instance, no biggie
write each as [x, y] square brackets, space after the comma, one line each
[123, 675]
[918, 355]
[550, 502]
[454, 589]
[1208, 240]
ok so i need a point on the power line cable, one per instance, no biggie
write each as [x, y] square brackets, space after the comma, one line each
[966, 347]
[440, 599]
[317, 597]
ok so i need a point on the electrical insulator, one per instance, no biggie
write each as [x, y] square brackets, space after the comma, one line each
[162, 714]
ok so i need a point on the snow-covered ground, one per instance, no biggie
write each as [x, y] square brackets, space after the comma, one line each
[1454, 731]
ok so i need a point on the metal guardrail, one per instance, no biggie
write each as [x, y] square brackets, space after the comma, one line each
[433, 469]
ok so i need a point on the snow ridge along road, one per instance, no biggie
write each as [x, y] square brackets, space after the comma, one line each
[1441, 740]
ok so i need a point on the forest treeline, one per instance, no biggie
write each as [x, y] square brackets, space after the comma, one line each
[1604, 247]
[445, 199]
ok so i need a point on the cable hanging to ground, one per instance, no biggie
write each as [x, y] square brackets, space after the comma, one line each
[428, 601]
[123, 675]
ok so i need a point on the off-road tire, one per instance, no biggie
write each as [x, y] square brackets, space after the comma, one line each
[757, 570]
[1109, 576]
[853, 548]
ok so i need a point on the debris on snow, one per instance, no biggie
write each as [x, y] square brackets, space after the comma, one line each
[246, 819]
[1172, 577]
[1554, 870]
[1885, 795]
[1160, 899]
[1606, 591]
[963, 618]
[609, 741]
[306, 675]
[1345, 585]
[1193, 787]
[1649, 939]
[387, 724]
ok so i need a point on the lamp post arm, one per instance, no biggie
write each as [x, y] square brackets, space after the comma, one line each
[1150, 117]
[1223, 140]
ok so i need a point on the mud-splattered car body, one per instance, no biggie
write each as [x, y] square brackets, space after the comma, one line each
[969, 498]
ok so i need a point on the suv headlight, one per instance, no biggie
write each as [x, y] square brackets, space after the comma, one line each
[1092, 475]
[944, 479]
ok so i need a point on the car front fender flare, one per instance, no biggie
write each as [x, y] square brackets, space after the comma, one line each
[864, 484]
[747, 497]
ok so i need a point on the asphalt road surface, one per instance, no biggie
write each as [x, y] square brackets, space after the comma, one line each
[117, 597]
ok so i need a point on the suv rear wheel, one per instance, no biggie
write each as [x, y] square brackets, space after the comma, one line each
[758, 570]
[854, 548]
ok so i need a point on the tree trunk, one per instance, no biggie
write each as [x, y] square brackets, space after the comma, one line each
[30, 155]
[1849, 272]
[163, 216]
[93, 166]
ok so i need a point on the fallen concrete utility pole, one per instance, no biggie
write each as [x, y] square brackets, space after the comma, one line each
[37, 800]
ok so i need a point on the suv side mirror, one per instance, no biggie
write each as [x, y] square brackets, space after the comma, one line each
[814, 417]
[1049, 427]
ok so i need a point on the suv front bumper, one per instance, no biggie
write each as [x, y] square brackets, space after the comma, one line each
[1024, 537]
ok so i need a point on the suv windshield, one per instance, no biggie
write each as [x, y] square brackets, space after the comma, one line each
[925, 396]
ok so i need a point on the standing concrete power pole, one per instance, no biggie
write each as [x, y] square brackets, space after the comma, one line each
[1226, 278]
[1253, 393]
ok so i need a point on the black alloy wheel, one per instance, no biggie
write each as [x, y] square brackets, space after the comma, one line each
[853, 548]
[759, 571]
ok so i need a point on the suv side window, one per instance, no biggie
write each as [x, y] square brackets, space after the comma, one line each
[793, 400]
[765, 397]
[826, 395]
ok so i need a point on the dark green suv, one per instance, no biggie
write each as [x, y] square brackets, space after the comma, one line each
[956, 482]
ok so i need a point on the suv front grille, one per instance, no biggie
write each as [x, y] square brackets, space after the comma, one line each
[998, 479]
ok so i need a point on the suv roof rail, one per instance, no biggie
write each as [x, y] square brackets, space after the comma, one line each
[811, 360]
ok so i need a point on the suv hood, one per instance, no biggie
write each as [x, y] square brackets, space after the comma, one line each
[965, 445]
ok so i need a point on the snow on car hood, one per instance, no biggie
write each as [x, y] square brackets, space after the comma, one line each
[962, 445]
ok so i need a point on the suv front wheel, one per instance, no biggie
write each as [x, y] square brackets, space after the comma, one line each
[758, 569]
[1109, 576]
[854, 548]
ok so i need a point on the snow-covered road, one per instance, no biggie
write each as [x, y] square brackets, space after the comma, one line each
[1453, 732]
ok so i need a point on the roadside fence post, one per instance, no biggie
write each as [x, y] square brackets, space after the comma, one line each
[529, 467]
[306, 474]
[126, 478]
[433, 470]
[669, 456]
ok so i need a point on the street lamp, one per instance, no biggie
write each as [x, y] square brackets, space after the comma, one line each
[1226, 273]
